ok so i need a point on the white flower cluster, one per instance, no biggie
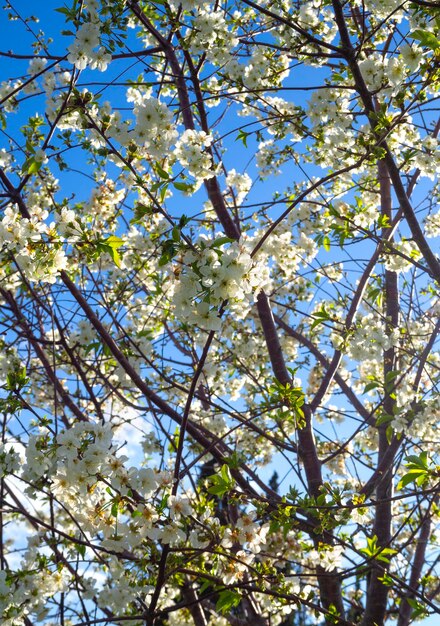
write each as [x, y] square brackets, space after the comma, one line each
[139, 246]
[328, 557]
[53, 84]
[215, 422]
[268, 160]
[312, 16]
[9, 460]
[28, 594]
[23, 238]
[365, 214]
[210, 35]
[369, 339]
[9, 359]
[432, 225]
[381, 9]
[102, 205]
[68, 225]
[154, 130]
[423, 422]
[397, 263]
[427, 158]
[121, 590]
[247, 533]
[9, 103]
[329, 111]
[190, 151]
[277, 115]
[360, 514]
[82, 51]
[5, 158]
[373, 72]
[263, 70]
[290, 250]
[389, 72]
[189, 5]
[231, 571]
[36, 65]
[81, 465]
[412, 56]
[240, 184]
[216, 275]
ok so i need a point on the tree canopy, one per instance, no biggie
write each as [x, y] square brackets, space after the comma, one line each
[219, 311]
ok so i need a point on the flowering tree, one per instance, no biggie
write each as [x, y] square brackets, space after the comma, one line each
[219, 388]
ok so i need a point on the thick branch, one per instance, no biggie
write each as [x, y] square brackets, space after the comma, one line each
[271, 336]
[330, 589]
[377, 592]
[416, 570]
[388, 159]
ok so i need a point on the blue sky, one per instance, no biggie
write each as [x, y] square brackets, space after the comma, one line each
[15, 38]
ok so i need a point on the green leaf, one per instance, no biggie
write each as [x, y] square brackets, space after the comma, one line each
[140, 211]
[81, 549]
[169, 250]
[390, 376]
[163, 192]
[220, 241]
[16, 379]
[374, 551]
[163, 503]
[226, 474]
[410, 477]
[321, 499]
[234, 460]
[113, 244]
[95, 345]
[221, 483]
[419, 472]
[63, 10]
[175, 234]
[419, 461]
[319, 317]
[389, 433]
[242, 136]
[206, 584]
[370, 386]
[182, 186]
[419, 609]
[162, 173]
[31, 166]
[227, 600]
[115, 509]
[385, 418]
[376, 295]
[183, 221]
[426, 38]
